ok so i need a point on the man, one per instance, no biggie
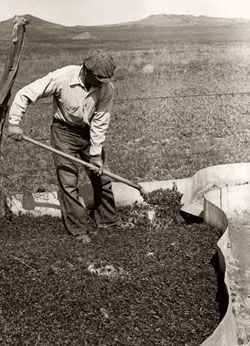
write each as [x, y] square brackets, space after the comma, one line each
[82, 100]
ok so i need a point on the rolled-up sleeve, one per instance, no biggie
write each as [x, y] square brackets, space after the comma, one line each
[100, 120]
[40, 88]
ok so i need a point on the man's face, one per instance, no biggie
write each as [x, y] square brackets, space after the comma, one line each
[91, 79]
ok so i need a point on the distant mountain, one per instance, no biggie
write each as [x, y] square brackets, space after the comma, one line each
[170, 20]
[34, 20]
[40, 29]
[182, 20]
[153, 27]
[152, 20]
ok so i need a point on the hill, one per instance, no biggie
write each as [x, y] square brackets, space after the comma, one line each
[187, 20]
[7, 25]
[155, 29]
[39, 29]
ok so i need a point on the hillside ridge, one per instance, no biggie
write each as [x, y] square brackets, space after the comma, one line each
[154, 20]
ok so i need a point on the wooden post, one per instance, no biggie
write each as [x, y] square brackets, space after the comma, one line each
[6, 83]
[11, 68]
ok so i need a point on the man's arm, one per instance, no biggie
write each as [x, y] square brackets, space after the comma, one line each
[42, 87]
[99, 125]
[100, 120]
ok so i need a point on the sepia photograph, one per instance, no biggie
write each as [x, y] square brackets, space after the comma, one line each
[124, 173]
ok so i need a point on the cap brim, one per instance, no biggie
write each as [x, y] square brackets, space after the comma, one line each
[103, 80]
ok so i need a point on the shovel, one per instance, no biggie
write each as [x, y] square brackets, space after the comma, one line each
[88, 165]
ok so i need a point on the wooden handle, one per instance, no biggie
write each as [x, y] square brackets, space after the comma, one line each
[84, 163]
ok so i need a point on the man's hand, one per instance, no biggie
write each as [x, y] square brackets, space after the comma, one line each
[98, 162]
[15, 132]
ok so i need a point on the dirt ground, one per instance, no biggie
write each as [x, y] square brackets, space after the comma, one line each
[156, 284]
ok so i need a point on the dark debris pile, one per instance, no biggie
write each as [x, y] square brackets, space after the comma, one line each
[152, 285]
[168, 197]
[166, 203]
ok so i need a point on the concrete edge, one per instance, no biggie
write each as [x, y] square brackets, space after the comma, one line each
[225, 334]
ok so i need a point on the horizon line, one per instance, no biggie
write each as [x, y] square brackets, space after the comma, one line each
[127, 22]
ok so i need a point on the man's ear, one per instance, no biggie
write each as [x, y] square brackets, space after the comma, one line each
[84, 69]
[83, 73]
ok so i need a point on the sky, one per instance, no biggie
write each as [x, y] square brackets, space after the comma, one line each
[99, 12]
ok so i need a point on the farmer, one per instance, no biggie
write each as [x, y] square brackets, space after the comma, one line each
[82, 100]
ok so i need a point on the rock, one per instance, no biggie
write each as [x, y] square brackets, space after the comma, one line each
[148, 69]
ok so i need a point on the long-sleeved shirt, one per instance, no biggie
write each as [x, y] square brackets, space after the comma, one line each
[72, 102]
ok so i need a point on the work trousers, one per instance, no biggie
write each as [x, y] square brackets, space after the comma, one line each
[75, 141]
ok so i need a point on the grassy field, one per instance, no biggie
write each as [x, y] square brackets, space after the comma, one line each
[163, 125]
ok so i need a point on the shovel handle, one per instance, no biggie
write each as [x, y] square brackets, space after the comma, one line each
[84, 163]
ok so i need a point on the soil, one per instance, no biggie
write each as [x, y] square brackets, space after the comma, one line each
[155, 284]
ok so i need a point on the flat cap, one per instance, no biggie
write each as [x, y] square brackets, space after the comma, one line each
[101, 64]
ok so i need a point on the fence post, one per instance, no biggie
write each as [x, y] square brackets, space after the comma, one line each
[7, 81]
